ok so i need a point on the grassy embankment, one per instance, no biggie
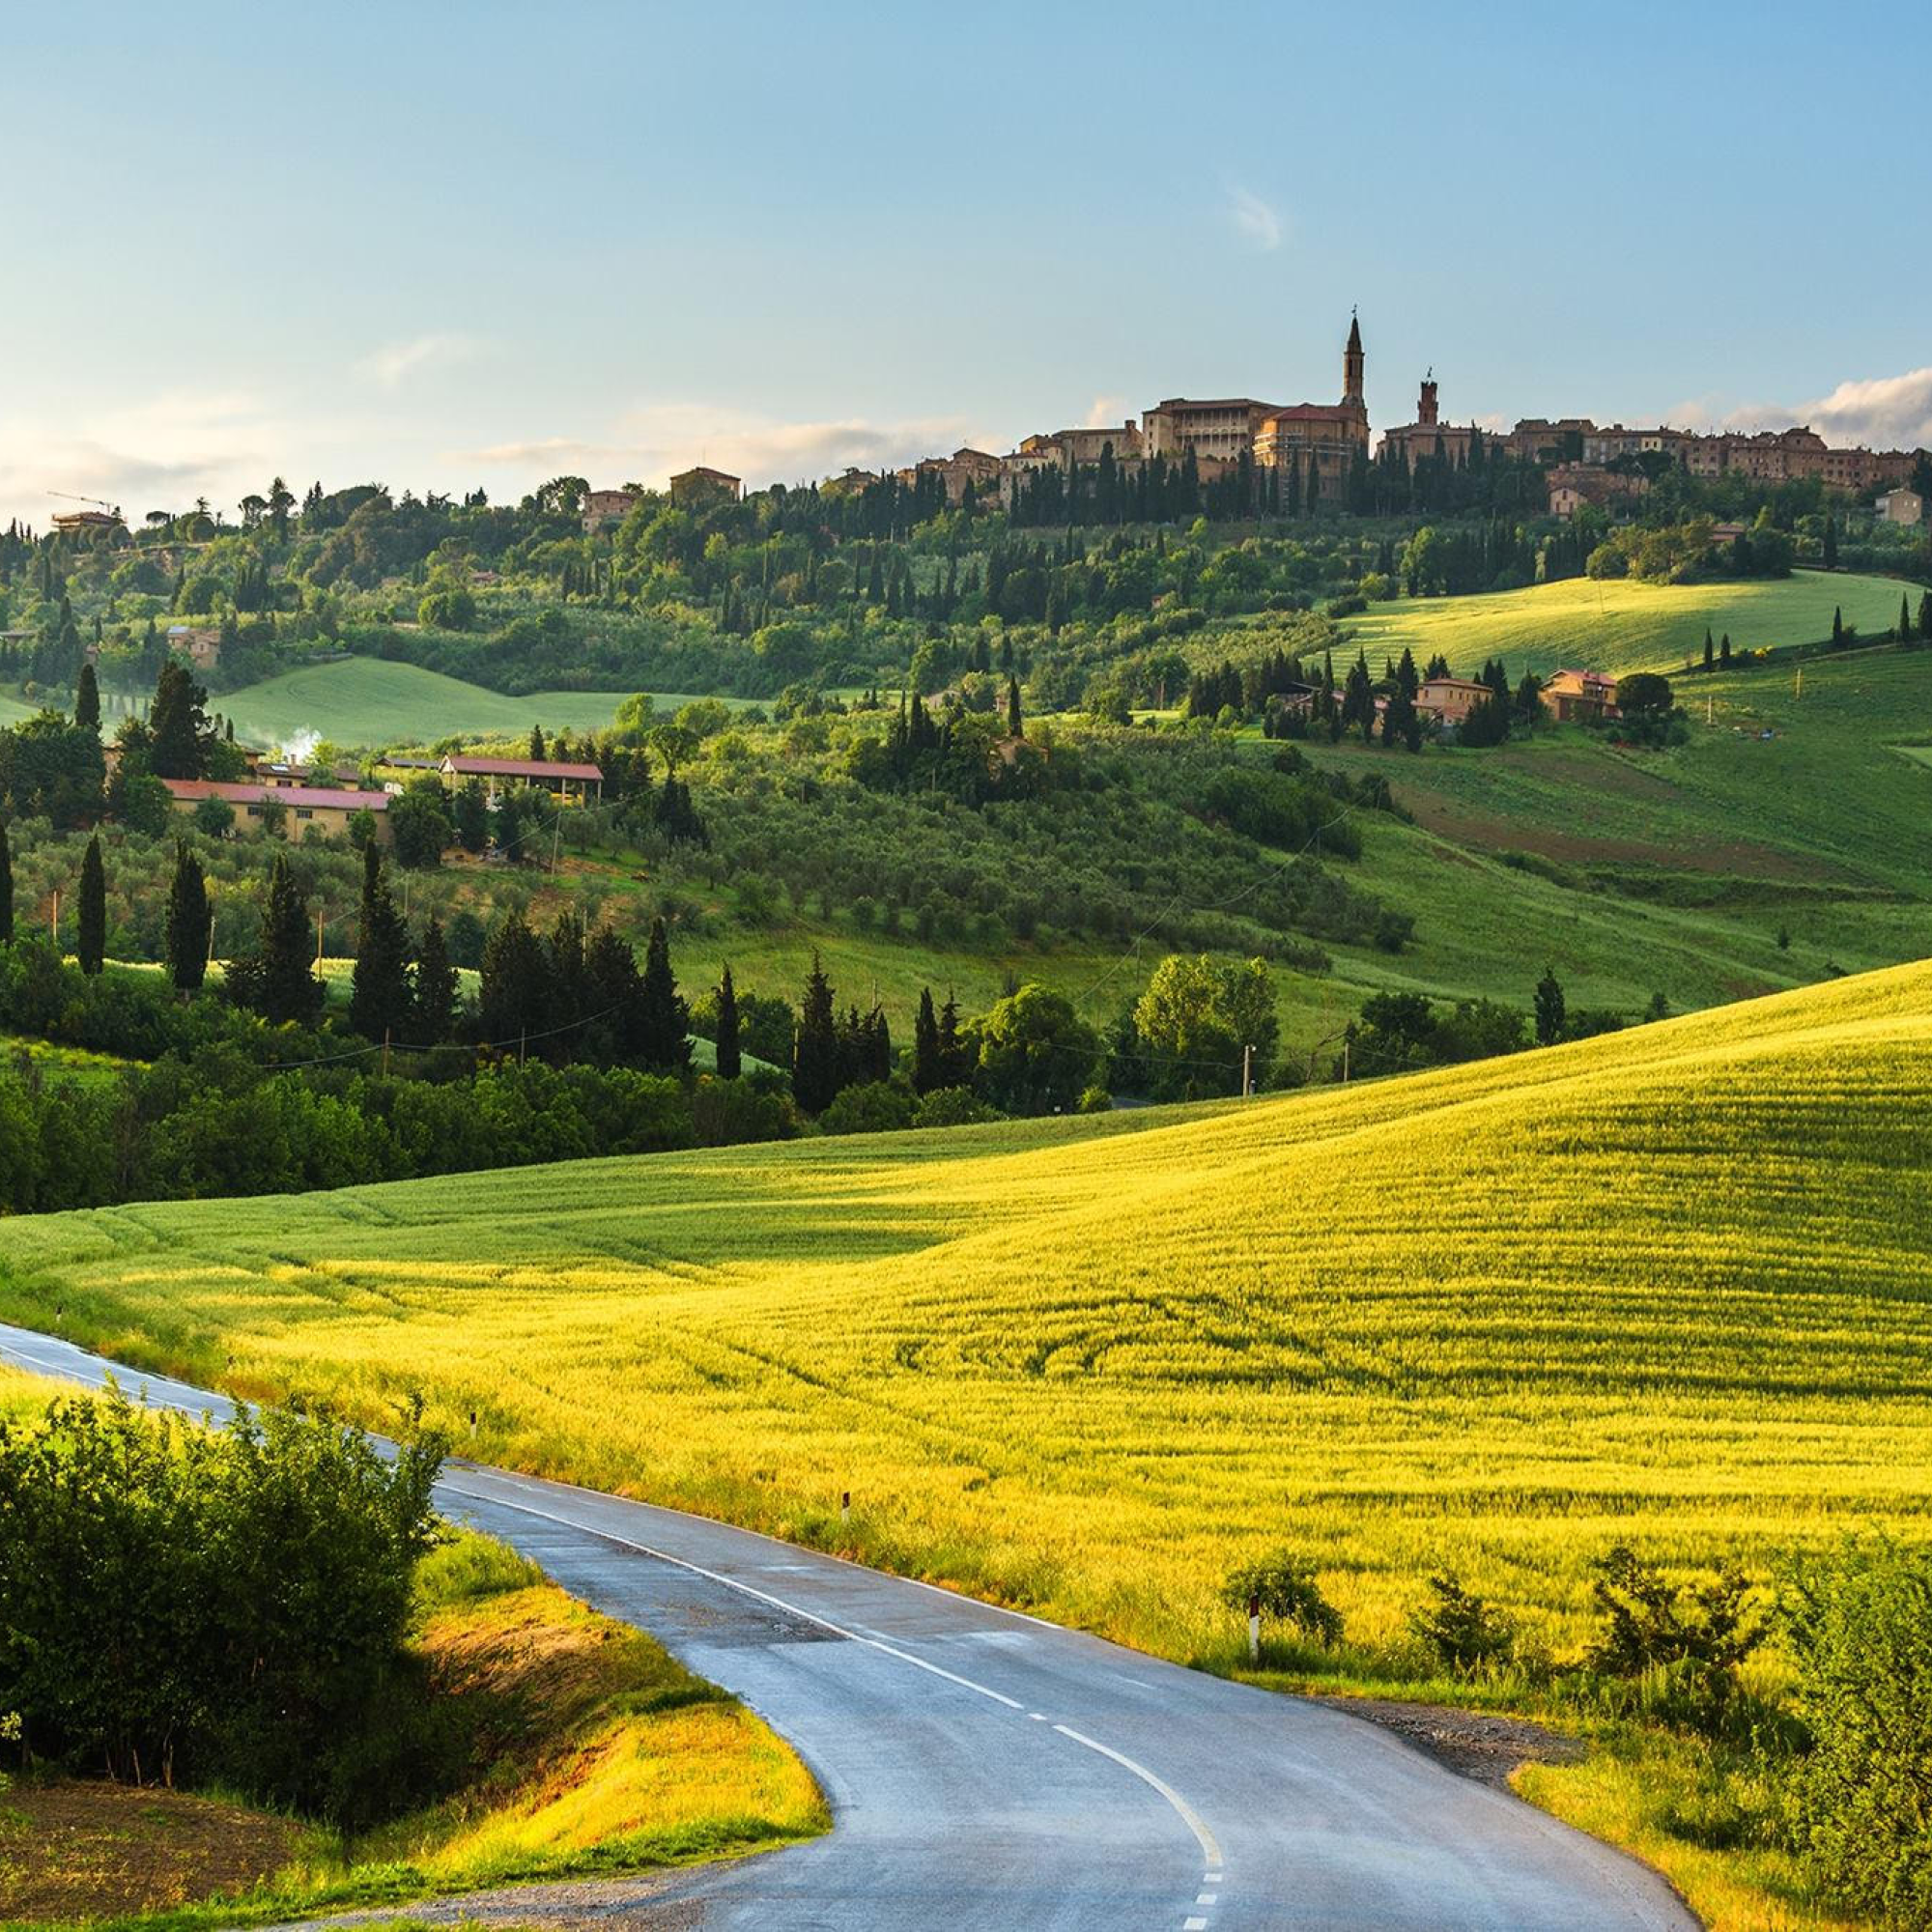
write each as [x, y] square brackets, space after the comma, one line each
[1671, 1287]
[593, 1751]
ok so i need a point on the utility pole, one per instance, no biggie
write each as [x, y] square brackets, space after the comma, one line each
[1247, 1072]
[1798, 683]
[56, 919]
[317, 939]
[385, 1053]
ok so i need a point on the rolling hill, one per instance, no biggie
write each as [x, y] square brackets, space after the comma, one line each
[1672, 1286]
[365, 702]
[1624, 625]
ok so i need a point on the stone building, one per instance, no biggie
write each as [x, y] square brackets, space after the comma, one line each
[691, 486]
[1321, 438]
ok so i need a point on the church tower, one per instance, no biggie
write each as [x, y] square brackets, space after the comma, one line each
[1352, 361]
[1425, 408]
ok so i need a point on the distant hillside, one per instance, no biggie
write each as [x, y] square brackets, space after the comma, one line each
[1672, 1288]
[1624, 625]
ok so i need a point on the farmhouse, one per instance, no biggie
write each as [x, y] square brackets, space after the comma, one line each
[1901, 506]
[328, 810]
[567, 784]
[199, 643]
[690, 486]
[1449, 699]
[604, 506]
[1588, 695]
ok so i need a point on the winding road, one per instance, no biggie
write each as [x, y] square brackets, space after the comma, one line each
[989, 1769]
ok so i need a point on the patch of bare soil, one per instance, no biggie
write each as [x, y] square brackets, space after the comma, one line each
[70, 1848]
[569, 1905]
[1476, 1743]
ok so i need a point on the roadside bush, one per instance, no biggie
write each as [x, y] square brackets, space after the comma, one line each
[1861, 1628]
[230, 1606]
[1684, 1644]
[1287, 1591]
[1463, 1629]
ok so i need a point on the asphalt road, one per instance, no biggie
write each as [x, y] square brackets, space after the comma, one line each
[988, 1770]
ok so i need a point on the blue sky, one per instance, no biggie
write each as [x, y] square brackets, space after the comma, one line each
[474, 243]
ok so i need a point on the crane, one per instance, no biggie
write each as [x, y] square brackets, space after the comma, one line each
[99, 502]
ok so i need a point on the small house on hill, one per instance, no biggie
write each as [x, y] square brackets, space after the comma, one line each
[199, 643]
[690, 486]
[1586, 695]
[1449, 699]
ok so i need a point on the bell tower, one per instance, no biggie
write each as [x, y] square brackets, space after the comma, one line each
[1425, 408]
[1353, 365]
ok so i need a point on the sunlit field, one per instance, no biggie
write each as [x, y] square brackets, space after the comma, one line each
[1669, 1287]
[1625, 624]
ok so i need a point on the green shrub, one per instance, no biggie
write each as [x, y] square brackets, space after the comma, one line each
[1284, 1588]
[1464, 1630]
[1861, 1628]
[873, 1107]
[953, 1107]
[230, 1606]
[1684, 1644]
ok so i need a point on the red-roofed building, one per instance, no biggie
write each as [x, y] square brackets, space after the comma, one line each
[326, 809]
[1587, 695]
[581, 782]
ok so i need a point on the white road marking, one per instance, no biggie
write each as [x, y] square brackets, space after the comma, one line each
[1204, 1898]
[744, 1589]
[1210, 1850]
[1210, 1878]
[1194, 1925]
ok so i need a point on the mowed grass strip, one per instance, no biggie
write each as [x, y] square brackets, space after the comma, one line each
[1672, 1288]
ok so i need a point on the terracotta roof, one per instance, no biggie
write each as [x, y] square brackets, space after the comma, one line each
[519, 768]
[1310, 412]
[306, 796]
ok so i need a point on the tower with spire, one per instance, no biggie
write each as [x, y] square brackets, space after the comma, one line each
[1354, 362]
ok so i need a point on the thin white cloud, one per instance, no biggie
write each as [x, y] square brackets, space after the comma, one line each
[1255, 222]
[650, 443]
[393, 363]
[1106, 412]
[1881, 412]
[158, 452]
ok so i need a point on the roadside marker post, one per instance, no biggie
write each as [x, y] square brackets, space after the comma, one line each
[1255, 1629]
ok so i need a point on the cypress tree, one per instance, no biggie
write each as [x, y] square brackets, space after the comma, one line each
[1016, 724]
[953, 1061]
[731, 1059]
[1724, 651]
[178, 726]
[185, 935]
[380, 1000]
[5, 887]
[1926, 616]
[664, 1018]
[815, 1055]
[87, 702]
[512, 983]
[283, 986]
[925, 1045]
[615, 996]
[90, 946]
[1904, 619]
[434, 987]
[1710, 649]
[1549, 1012]
[1837, 625]
[1831, 543]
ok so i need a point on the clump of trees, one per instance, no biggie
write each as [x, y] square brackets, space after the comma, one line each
[219, 1605]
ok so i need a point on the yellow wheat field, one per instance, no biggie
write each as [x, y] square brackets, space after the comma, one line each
[1669, 1287]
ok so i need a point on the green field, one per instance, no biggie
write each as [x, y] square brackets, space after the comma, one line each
[1624, 625]
[369, 702]
[1672, 1286]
